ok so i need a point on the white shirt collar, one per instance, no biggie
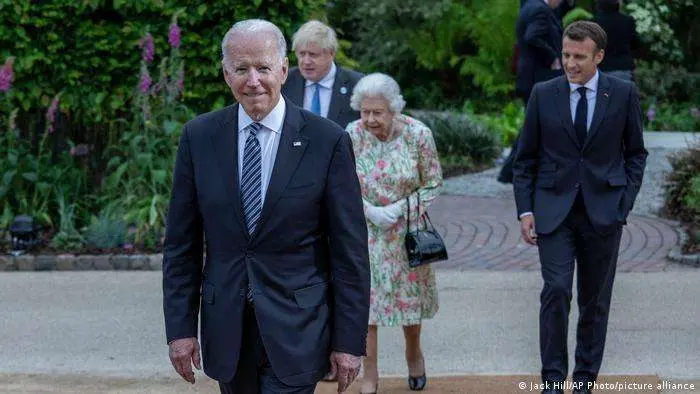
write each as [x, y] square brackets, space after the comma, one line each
[273, 121]
[327, 81]
[591, 85]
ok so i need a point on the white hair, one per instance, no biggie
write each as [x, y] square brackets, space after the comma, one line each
[378, 85]
[254, 26]
[315, 32]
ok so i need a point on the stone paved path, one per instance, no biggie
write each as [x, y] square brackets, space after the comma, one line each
[483, 233]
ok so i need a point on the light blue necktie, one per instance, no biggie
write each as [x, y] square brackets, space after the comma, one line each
[316, 101]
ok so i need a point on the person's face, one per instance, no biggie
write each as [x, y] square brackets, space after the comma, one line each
[314, 61]
[254, 73]
[376, 116]
[580, 59]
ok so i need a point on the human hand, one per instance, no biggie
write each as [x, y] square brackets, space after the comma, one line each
[346, 367]
[556, 64]
[183, 353]
[382, 217]
[527, 229]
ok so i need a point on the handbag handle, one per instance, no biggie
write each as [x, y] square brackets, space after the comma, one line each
[426, 218]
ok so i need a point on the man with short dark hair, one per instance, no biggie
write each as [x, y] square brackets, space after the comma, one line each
[578, 170]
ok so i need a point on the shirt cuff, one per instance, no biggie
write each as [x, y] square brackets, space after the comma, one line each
[522, 215]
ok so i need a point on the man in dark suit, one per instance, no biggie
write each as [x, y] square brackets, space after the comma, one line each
[270, 191]
[538, 32]
[318, 84]
[622, 39]
[578, 169]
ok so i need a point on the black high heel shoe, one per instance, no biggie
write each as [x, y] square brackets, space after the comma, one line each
[417, 383]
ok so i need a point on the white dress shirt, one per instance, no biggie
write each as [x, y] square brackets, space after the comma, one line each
[326, 86]
[591, 91]
[268, 137]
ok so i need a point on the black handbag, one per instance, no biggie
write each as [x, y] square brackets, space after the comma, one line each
[423, 246]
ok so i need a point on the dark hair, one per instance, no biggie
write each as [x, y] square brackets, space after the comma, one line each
[580, 30]
[608, 5]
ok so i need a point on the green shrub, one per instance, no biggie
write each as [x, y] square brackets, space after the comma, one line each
[666, 83]
[577, 14]
[108, 231]
[507, 122]
[89, 49]
[683, 193]
[464, 144]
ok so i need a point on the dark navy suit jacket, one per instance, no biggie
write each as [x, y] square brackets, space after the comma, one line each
[538, 32]
[307, 261]
[551, 167]
[339, 110]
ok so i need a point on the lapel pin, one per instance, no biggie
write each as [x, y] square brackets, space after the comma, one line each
[296, 143]
[343, 90]
[605, 94]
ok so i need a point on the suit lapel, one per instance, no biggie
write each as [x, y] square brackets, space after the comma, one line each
[338, 95]
[289, 152]
[564, 107]
[601, 105]
[225, 145]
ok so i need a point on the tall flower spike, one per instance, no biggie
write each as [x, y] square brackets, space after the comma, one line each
[174, 34]
[651, 113]
[148, 48]
[51, 114]
[145, 80]
[7, 75]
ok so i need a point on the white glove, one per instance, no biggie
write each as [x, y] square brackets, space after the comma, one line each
[383, 217]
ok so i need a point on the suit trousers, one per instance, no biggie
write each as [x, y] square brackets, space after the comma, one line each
[575, 243]
[254, 374]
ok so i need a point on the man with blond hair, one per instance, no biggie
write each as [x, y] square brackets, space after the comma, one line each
[318, 84]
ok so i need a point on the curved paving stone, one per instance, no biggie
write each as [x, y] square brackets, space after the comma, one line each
[483, 233]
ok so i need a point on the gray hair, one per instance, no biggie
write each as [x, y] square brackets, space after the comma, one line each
[254, 26]
[315, 32]
[378, 85]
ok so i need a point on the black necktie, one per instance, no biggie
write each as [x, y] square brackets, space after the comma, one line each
[581, 116]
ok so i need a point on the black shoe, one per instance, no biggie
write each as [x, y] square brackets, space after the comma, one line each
[417, 383]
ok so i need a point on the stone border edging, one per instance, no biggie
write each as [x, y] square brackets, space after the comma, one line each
[71, 262]
[675, 254]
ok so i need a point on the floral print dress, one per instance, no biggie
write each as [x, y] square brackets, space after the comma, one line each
[406, 165]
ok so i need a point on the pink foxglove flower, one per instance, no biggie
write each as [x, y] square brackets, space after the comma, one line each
[651, 113]
[174, 35]
[51, 114]
[7, 75]
[145, 81]
[148, 49]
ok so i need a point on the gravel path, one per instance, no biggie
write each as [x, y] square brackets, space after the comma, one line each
[649, 201]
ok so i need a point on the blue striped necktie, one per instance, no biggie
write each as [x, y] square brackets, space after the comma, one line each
[251, 178]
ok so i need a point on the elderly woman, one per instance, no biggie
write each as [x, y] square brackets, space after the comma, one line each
[397, 164]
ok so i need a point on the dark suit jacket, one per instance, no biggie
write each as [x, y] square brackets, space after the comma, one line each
[539, 35]
[339, 110]
[307, 261]
[622, 40]
[551, 168]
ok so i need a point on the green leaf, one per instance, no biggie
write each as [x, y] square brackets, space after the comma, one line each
[30, 176]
